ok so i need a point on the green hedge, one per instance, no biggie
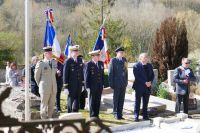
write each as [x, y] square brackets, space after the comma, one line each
[163, 93]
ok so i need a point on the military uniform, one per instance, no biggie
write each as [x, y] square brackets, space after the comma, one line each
[73, 79]
[94, 77]
[45, 77]
[118, 80]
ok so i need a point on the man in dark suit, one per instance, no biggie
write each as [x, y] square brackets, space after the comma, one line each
[182, 77]
[59, 79]
[144, 75]
[84, 92]
[118, 80]
[94, 77]
[73, 79]
[34, 86]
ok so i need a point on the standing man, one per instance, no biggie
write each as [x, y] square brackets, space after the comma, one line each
[34, 86]
[45, 77]
[84, 93]
[118, 80]
[182, 77]
[73, 78]
[94, 76]
[144, 76]
[59, 79]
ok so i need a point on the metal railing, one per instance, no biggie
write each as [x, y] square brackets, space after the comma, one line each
[42, 126]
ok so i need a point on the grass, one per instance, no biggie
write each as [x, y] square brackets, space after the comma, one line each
[106, 117]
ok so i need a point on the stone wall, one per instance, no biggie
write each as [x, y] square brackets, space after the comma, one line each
[14, 105]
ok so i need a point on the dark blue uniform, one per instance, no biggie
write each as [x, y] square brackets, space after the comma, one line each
[143, 74]
[34, 86]
[59, 79]
[118, 80]
[94, 77]
[72, 80]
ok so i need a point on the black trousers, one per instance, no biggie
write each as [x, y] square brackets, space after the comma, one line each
[145, 99]
[95, 101]
[82, 100]
[73, 100]
[59, 88]
[184, 99]
[118, 101]
[73, 104]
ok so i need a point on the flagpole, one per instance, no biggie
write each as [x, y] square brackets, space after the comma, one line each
[27, 43]
[101, 11]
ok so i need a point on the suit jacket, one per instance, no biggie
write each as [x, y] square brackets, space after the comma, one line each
[94, 75]
[73, 76]
[141, 77]
[178, 78]
[45, 76]
[118, 73]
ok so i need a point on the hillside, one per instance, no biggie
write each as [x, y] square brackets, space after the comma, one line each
[139, 20]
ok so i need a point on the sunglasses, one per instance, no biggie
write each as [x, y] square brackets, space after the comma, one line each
[187, 63]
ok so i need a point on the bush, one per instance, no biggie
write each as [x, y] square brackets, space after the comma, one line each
[163, 93]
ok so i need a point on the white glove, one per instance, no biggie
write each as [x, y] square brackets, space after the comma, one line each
[66, 92]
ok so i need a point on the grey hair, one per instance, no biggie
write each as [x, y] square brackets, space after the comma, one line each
[34, 58]
[143, 55]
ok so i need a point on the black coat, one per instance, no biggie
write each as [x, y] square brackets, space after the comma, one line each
[141, 77]
[73, 77]
[59, 78]
[34, 86]
[94, 76]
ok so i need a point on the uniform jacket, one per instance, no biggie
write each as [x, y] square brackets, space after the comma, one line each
[118, 73]
[45, 76]
[94, 75]
[141, 77]
[73, 76]
[179, 76]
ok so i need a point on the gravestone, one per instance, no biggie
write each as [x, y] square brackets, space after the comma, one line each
[170, 74]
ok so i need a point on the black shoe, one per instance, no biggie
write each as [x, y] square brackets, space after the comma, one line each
[121, 118]
[189, 116]
[136, 120]
[146, 119]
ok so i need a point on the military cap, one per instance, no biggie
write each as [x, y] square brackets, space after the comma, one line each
[119, 49]
[95, 52]
[47, 49]
[74, 48]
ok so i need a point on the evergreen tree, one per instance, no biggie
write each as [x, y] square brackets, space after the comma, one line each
[170, 46]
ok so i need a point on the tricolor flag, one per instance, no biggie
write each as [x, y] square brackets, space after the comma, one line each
[68, 43]
[50, 39]
[102, 45]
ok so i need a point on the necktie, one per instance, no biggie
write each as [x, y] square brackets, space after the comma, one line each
[97, 65]
[50, 64]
